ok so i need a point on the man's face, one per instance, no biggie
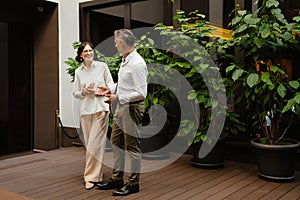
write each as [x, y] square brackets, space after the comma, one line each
[119, 44]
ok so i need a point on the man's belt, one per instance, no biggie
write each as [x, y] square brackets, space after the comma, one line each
[132, 102]
[136, 102]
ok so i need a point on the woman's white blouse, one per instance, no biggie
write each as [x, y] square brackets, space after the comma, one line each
[100, 75]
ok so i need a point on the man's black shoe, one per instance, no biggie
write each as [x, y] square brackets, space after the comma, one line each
[110, 184]
[126, 190]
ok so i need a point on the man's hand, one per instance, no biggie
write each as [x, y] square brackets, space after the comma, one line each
[102, 91]
[111, 98]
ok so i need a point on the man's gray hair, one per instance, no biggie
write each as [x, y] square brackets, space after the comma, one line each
[126, 35]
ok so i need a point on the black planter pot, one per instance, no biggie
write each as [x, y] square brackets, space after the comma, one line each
[276, 162]
[213, 160]
[152, 145]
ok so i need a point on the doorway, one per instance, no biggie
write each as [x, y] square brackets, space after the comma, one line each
[16, 49]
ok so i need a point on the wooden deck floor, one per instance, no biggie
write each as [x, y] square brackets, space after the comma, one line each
[57, 175]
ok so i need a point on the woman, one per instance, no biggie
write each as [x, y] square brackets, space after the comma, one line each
[94, 112]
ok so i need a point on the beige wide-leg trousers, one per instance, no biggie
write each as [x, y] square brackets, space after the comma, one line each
[94, 128]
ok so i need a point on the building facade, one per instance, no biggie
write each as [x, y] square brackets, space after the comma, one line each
[36, 38]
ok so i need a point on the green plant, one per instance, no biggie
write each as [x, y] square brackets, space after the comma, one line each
[72, 63]
[210, 60]
[260, 82]
[157, 94]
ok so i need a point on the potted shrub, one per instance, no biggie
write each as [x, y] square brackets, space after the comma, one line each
[211, 60]
[261, 83]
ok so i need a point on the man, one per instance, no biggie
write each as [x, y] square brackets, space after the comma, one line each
[128, 94]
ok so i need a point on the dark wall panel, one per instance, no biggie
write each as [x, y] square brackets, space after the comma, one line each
[16, 81]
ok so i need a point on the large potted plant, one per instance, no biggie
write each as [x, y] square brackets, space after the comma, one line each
[210, 60]
[265, 87]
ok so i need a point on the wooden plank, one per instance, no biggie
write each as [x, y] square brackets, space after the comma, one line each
[220, 185]
[239, 182]
[197, 188]
[262, 191]
[247, 190]
[7, 195]
[292, 194]
[42, 175]
[280, 191]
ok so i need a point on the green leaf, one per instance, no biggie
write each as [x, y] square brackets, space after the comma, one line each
[204, 66]
[230, 68]
[257, 90]
[155, 101]
[241, 28]
[235, 20]
[192, 95]
[183, 64]
[264, 30]
[289, 105]
[234, 131]
[297, 18]
[190, 74]
[294, 84]
[266, 99]
[249, 19]
[287, 36]
[241, 128]
[266, 78]
[271, 87]
[275, 69]
[297, 98]
[279, 42]
[277, 13]
[281, 90]
[242, 12]
[252, 97]
[271, 3]
[76, 45]
[201, 99]
[258, 42]
[237, 73]
[197, 58]
[143, 37]
[252, 79]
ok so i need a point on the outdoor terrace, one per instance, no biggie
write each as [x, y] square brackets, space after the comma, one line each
[58, 174]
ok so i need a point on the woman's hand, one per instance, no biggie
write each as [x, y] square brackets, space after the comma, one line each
[86, 90]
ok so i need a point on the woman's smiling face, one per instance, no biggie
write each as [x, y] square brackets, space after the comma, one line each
[87, 53]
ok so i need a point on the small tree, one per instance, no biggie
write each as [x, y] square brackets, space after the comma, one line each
[264, 37]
